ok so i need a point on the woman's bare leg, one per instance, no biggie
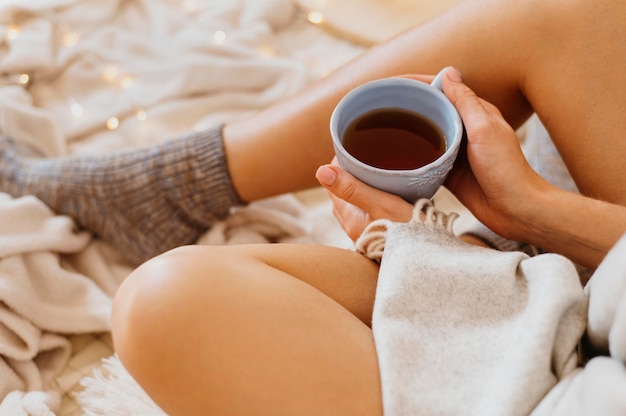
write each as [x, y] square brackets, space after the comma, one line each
[564, 60]
[574, 84]
[263, 330]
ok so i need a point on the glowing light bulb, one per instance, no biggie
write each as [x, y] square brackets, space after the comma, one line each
[77, 109]
[266, 50]
[315, 17]
[12, 32]
[126, 82]
[24, 79]
[113, 123]
[141, 115]
[219, 37]
[325, 73]
[191, 6]
[70, 39]
[110, 73]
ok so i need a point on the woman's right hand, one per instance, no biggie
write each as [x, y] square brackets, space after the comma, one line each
[491, 177]
[356, 204]
[496, 183]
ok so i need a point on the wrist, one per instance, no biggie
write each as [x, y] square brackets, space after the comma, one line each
[532, 214]
[580, 228]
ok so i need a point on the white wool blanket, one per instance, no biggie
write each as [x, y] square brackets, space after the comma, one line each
[92, 76]
[461, 329]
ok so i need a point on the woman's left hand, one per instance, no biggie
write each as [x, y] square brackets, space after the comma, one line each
[356, 204]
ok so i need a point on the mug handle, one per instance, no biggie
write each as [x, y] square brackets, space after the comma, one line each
[437, 82]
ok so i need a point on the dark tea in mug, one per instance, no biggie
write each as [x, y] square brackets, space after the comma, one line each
[394, 139]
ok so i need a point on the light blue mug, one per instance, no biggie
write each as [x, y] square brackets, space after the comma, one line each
[427, 100]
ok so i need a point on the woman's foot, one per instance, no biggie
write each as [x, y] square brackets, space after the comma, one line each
[144, 201]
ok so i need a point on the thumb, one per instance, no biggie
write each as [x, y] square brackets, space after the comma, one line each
[340, 183]
[378, 204]
[480, 117]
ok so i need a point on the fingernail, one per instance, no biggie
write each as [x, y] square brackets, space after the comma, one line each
[453, 74]
[326, 175]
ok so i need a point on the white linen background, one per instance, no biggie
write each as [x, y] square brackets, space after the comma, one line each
[108, 75]
[152, 70]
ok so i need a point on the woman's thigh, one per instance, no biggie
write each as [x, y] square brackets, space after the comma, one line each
[574, 79]
[268, 329]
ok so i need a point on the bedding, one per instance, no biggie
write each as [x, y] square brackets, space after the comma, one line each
[462, 329]
[370, 21]
[88, 77]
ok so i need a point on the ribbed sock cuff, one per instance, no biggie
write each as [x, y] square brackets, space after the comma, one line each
[198, 170]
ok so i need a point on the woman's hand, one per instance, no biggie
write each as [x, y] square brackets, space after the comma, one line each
[495, 182]
[501, 189]
[491, 177]
[356, 204]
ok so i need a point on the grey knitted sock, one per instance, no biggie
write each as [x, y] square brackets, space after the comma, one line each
[144, 201]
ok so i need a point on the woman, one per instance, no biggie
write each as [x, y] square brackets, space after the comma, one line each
[523, 57]
[285, 329]
[281, 328]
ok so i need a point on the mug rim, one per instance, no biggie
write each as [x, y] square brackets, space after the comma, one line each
[361, 89]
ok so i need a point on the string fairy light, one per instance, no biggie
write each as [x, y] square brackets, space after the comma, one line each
[266, 50]
[70, 39]
[111, 73]
[219, 37]
[23, 80]
[315, 17]
[12, 32]
[112, 123]
[126, 82]
[115, 76]
[192, 6]
[141, 115]
[75, 108]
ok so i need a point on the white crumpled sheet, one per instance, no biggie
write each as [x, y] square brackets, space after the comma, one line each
[92, 76]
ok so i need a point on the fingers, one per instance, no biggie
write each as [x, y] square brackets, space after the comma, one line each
[481, 118]
[463, 98]
[356, 203]
[340, 184]
[348, 188]
[494, 155]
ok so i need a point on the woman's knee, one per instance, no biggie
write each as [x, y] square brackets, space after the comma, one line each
[151, 303]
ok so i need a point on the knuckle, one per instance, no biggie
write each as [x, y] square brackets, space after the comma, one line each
[348, 190]
[482, 127]
[463, 94]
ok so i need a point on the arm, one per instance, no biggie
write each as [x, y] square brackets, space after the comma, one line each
[499, 187]
[514, 201]
[581, 228]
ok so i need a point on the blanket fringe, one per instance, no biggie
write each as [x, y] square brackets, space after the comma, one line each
[372, 241]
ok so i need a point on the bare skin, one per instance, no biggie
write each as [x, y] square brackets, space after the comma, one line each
[550, 57]
[581, 228]
[275, 329]
[243, 330]
[279, 329]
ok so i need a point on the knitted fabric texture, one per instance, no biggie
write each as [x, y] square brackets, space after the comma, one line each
[461, 329]
[144, 201]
